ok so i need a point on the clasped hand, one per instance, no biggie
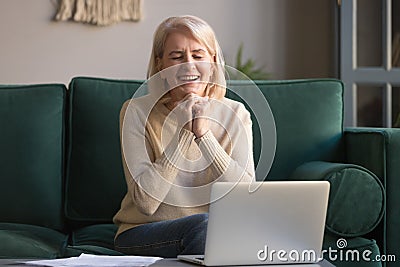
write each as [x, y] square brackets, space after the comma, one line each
[192, 112]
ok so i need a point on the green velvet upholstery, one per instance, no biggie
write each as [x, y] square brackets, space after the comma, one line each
[378, 149]
[60, 163]
[308, 118]
[32, 153]
[93, 239]
[99, 235]
[351, 252]
[356, 198]
[94, 170]
[30, 241]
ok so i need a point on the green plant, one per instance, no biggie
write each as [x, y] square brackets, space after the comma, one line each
[248, 68]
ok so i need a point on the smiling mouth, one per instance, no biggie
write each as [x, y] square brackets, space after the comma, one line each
[189, 78]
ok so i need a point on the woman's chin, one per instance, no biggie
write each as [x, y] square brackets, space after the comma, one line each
[193, 88]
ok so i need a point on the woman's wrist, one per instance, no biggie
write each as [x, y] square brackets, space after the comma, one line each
[200, 134]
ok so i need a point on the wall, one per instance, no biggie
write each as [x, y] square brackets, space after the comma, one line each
[292, 39]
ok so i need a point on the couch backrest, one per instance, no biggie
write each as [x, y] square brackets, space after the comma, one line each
[32, 154]
[308, 116]
[95, 181]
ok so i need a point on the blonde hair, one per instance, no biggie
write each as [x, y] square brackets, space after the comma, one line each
[204, 34]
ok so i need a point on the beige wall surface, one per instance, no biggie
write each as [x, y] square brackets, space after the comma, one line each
[290, 38]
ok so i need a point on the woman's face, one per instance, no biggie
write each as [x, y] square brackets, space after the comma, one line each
[192, 69]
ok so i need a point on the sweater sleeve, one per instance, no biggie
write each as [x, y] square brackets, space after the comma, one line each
[239, 164]
[149, 179]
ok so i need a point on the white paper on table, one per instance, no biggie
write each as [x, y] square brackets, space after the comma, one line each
[96, 260]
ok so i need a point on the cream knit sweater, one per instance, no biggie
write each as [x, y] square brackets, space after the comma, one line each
[169, 172]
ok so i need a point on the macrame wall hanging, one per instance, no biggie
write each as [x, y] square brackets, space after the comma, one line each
[99, 12]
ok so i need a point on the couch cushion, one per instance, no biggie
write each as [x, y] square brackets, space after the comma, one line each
[32, 154]
[356, 198]
[95, 183]
[308, 117]
[349, 252]
[29, 241]
[95, 235]
[93, 239]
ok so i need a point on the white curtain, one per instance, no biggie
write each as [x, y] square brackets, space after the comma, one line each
[99, 12]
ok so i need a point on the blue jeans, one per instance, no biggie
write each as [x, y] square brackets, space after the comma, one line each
[165, 239]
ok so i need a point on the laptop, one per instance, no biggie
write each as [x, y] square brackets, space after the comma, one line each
[265, 223]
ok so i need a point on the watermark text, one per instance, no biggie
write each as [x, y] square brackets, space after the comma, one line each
[340, 253]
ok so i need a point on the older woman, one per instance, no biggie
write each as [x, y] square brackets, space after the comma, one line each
[177, 141]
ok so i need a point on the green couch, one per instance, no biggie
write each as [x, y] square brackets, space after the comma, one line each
[62, 178]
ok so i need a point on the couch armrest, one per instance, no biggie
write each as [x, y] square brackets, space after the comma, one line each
[378, 149]
[356, 197]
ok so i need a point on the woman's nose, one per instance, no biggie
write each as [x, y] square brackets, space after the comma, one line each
[188, 59]
[188, 63]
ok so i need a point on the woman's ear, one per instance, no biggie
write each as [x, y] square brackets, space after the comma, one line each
[212, 69]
